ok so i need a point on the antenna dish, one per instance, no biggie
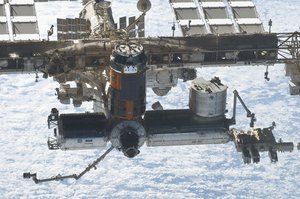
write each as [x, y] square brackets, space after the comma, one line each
[103, 4]
[144, 5]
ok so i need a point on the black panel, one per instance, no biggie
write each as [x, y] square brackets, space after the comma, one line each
[82, 125]
[133, 86]
[123, 22]
[157, 121]
[132, 30]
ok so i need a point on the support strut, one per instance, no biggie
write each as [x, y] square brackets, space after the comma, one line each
[74, 176]
[249, 113]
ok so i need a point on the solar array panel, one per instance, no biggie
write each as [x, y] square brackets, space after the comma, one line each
[216, 16]
[188, 16]
[20, 28]
[3, 28]
[135, 30]
[4, 34]
[132, 31]
[18, 21]
[2, 12]
[141, 27]
[123, 22]
[3, 22]
[22, 10]
[72, 29]
[246, 16]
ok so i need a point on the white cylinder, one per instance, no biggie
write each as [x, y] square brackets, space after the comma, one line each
[208, 98]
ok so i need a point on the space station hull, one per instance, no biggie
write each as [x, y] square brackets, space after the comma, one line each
[203, 123]
[81, 131]
[183, 127]
[127, 95]
[191, 126]
[127, 92]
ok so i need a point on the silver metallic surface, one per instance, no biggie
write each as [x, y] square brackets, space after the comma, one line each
[117, 132]
[201, 136]
[207, 99]
[81, 143]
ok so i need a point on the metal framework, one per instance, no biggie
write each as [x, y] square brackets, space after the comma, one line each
[73, 176]
[289, 46]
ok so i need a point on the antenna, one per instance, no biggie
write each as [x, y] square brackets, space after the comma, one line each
[270, 25]
[50, 32]
[103, 4]
[144, 5]
[173, 29]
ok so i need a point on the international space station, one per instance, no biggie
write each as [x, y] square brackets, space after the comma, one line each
[112, 63]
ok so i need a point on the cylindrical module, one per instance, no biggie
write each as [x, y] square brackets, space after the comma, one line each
[208, 98]
[127, 92]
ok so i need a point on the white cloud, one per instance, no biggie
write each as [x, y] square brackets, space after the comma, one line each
[214, 171]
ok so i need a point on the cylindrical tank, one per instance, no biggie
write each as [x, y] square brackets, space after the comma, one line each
[127, 92]
[208, 98]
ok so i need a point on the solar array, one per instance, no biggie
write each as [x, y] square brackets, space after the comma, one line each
[72, 29]
[141, 27]
[216, 16]
[18, 20]
[135, 30]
